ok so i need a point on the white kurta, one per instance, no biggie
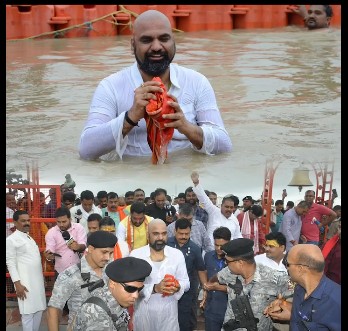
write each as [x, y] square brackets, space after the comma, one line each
[23, 262]
[216, 219]
[153, 311]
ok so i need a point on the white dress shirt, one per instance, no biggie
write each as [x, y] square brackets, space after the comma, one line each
[263, 259]
[84, 216]
[153, 311]
[102, 134]
[216, 219]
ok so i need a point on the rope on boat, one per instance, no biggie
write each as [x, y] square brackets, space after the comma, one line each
[89, 25]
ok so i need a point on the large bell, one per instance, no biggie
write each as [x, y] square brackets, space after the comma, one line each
[300, 178]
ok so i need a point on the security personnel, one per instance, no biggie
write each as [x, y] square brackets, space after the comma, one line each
[248, 281]
[106, 309]
[75, 283]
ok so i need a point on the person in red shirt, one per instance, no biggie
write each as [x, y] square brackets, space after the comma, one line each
[316, 217]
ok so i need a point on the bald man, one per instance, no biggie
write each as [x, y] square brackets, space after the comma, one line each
[317, 299]
[157, 308]
[116, 125]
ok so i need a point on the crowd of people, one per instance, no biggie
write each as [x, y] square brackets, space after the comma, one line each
[199, 255]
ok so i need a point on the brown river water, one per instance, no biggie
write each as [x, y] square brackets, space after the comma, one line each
[279, 92]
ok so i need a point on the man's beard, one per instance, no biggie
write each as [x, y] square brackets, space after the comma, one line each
[154, 68]
[158, 245]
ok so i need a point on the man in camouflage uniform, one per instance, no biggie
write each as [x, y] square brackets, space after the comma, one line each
[106, 309]
[68, 284]
[259, 283]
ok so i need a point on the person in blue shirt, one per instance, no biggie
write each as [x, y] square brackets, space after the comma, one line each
[317, 299]
[187, 305]
[215, 302]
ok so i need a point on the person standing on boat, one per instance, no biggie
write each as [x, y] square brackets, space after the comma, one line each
[317, 16]
[116, 125]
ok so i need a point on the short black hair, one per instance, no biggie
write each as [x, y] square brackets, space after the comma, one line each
[107, 220]
[278, 237]
[87, 195]
[182, 223]
[62, 211]
[129, 194]
[290, 204]
[70, 196]
[112, 195]
[102, 194]
[256, 210]
[17, 213]
[137, 207]
[328, 10]
[222, 233]
[94, 217]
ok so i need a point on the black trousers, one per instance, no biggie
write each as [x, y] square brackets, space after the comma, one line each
[187, 309]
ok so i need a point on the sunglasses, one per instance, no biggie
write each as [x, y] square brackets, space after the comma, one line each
[230, 261]
[287, 264]
[131, 289]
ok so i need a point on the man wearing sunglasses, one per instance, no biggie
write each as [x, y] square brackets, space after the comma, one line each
[254, 282]
[317, 299]
[106, 309]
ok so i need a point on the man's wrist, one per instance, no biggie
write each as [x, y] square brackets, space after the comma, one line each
[154, 289]
[129, 120]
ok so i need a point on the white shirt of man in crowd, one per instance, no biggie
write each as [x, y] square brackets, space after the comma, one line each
[222, 216]
[87, 208]
[24, 264]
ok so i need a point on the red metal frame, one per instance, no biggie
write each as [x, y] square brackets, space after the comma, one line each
[324, 176]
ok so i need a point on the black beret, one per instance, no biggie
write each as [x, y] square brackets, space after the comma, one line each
[248, 197]
[128, 269]
[238, 247]
[101, 239]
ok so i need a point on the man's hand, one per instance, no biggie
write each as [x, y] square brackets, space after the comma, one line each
[74, 246]
[48, 255]
[193, 132]
[142, 95]
[279, 309]
[195, 177]
[301, 10]
[212, 286]
[20, 290]
[178, 119]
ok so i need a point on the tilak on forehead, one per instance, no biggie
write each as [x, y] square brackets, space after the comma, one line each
[272, 243]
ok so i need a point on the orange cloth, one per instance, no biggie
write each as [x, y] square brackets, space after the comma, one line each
[158, 136]
[117, 252]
